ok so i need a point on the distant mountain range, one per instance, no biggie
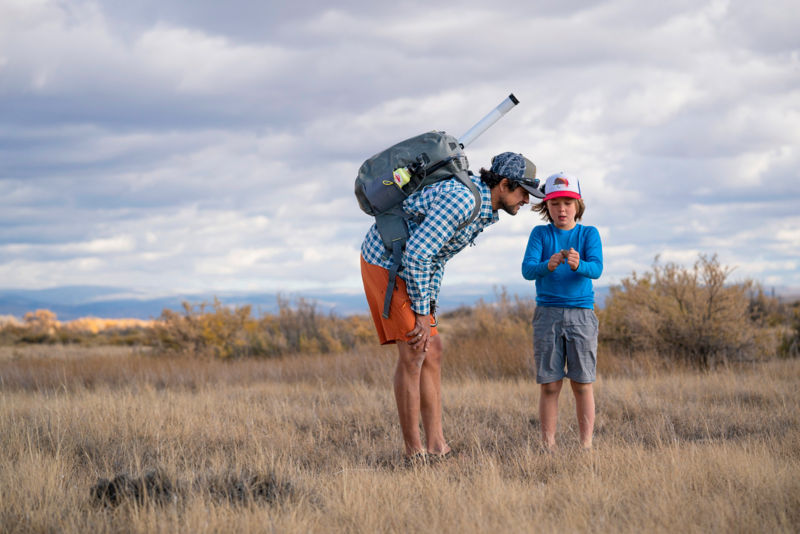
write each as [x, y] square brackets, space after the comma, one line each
[73, 302]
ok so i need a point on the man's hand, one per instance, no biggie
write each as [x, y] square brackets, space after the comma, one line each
[421, 335]
[573, 258]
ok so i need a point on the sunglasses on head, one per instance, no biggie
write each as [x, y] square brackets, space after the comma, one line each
[530, 182]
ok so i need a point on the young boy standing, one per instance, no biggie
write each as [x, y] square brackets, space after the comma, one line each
[563, 257]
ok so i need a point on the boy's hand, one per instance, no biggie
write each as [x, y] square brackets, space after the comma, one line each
[572, 257]
[555, 260]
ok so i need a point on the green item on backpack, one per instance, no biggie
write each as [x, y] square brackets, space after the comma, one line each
[386, 179]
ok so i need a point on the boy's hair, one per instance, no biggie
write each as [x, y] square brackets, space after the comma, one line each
[492, 179]
[541, 209]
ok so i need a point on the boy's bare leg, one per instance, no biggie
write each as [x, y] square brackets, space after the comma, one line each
[407, 395]
[431, 397]
[584, 406]
[548, 412]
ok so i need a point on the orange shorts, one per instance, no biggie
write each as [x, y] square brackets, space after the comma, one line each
[401, 319]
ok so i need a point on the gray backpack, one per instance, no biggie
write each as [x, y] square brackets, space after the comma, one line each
[386, 179]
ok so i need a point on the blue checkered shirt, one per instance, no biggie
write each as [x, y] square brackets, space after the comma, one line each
[444, 206]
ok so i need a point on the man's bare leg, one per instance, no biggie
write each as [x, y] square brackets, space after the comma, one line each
[431, 398]
[407, 394]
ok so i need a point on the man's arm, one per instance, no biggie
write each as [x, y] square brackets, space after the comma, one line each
[446, 212]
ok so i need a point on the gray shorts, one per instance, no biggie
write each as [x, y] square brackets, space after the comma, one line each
[565, 337]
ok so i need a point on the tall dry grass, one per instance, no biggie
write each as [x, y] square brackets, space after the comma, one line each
[311, 444]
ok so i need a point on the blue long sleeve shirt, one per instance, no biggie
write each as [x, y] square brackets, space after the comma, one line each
[563, 288]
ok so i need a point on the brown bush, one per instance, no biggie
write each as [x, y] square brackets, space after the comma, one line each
[684, 313]
[790, 344]
[40, 326]
[43, 327]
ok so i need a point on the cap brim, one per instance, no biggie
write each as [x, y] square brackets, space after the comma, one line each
[557, 194]
[532, 190]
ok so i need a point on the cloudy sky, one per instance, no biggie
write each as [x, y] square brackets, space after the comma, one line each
[172, 146]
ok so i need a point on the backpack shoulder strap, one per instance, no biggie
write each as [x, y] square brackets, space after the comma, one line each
[393, 230]
[466, 180]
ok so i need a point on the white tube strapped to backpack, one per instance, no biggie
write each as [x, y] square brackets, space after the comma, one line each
[485, 123]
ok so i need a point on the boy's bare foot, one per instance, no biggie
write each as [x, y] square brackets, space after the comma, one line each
[434, 458]
[549, 449]
[415, 460]
[441, 452]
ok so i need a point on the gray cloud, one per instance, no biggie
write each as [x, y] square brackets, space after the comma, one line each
[171, 145]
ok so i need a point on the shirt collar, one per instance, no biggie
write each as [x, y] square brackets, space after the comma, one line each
[486, 211]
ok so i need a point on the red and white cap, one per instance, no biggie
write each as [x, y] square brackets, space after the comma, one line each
[561, 185]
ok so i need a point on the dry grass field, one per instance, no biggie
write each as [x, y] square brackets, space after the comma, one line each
[311, 444]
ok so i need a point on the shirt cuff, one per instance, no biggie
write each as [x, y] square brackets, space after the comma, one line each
[421, 308]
